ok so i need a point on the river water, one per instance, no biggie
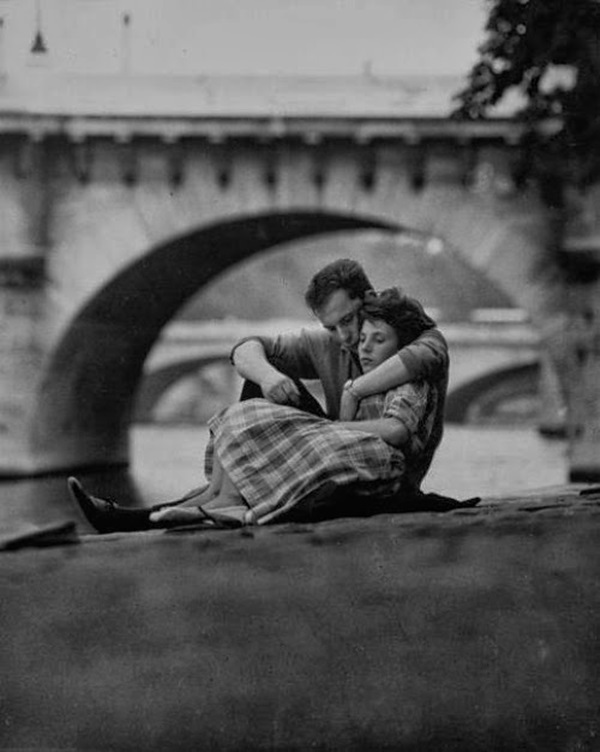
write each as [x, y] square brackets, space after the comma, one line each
[469, 462]
[167, 461]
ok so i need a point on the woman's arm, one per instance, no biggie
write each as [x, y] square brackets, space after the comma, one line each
[425, 358]
[392, 431]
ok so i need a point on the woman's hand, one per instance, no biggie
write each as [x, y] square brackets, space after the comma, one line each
[349, 402]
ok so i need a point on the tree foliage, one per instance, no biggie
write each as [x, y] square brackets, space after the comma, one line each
[529, 42]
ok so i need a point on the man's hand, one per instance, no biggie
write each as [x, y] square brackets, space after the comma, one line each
[280, 389]
[251, 362]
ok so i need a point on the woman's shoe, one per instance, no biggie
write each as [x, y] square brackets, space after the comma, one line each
[105, 516]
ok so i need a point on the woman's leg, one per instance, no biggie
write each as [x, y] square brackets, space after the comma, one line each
[224, 506]
[191, 494]
[228, 494]
[229, 503]
[200, 496]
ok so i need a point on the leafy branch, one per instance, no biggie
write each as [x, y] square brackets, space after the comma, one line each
[549, 51]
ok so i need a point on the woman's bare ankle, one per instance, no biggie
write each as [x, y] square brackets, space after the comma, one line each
[194, 501]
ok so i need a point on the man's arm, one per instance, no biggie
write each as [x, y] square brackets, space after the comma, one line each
[424, 359]
[250, 361]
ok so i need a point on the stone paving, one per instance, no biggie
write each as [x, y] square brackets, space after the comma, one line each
[474, 629]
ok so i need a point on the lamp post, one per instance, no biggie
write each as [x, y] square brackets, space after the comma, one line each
[38, 46]
[126, 44]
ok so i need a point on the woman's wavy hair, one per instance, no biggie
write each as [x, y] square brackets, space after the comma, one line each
[405, 315]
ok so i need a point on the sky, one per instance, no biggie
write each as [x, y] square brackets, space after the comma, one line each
[194, 37]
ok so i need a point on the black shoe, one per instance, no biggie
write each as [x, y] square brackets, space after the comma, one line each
[105, 516]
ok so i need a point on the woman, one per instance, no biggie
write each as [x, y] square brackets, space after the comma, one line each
[264, 460]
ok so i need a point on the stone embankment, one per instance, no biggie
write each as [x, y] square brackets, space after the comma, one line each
[473, 629]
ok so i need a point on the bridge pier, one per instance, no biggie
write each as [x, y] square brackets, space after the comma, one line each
[578, 233]
[551, 416]
[584, 384]
[22, 303]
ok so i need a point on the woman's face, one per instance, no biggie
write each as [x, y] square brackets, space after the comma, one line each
[377, 342]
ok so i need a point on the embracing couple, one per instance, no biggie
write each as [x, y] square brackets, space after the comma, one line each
[275, 455]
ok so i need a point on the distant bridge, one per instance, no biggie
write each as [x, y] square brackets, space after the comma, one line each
[491, 364]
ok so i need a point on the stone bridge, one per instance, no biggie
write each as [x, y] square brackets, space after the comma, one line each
[122, 198]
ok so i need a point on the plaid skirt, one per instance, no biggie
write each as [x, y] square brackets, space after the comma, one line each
[278, 455]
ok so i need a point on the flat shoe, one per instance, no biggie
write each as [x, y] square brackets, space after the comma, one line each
[104, 515]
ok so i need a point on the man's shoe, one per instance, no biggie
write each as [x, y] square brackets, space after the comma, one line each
[105, 516]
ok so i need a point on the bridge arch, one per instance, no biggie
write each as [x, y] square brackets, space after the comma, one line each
[86, 399]
[479, 399]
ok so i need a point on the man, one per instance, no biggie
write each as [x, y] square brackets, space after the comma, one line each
[278, 365]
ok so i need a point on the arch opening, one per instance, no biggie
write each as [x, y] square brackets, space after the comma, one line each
[509, 396]
[86, 400]
[88, 397]
[189, 391]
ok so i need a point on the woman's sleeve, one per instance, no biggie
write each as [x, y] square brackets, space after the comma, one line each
[408, 404]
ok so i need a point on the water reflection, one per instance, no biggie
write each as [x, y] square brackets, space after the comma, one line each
[168, 461]
[484, 461]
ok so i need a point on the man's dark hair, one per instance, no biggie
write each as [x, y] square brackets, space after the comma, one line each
[343, 274]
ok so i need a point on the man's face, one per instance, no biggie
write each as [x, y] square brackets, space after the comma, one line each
[341, 316]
